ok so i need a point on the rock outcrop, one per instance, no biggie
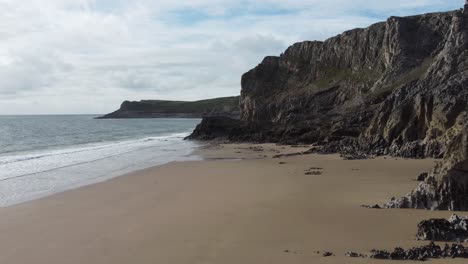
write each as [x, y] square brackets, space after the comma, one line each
[447, 186]
[215, 128]
[397, 88]
[453, 229]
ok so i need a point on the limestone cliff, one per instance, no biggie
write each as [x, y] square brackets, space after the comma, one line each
[398, 87]
[390, 84]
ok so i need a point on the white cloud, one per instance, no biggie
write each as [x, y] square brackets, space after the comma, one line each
[86, 56]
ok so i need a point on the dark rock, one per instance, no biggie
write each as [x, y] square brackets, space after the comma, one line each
[380, 254]
[256, 149]
[356, 156]
[288, 155]
[328, 254]
[375, 206]
[422, 177]
[215, 128]
[431, 251]
[447, 186]
[313, 173]
[354, 255]
[453, 229]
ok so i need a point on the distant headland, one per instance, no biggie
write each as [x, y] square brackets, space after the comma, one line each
[224, 106]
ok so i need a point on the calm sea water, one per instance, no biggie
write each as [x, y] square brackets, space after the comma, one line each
[42, 155]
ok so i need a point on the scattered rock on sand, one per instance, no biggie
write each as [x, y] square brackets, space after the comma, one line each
[356, 156]
[354, 255]
[256, 149]
[313, 171]
[375, 206]
[453, 229]
[275, 150]
[288, 155]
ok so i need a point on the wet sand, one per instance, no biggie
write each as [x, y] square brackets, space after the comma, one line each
[239, 205]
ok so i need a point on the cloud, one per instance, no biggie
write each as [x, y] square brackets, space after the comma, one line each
[24, 72]
[86, 56]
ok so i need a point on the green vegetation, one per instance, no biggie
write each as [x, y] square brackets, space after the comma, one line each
[224, 104]
[414, 74]
[364, 78]
[334, 75]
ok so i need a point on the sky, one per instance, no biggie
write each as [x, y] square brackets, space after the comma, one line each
[87, 56]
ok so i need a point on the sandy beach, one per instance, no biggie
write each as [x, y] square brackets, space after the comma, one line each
[239, 205]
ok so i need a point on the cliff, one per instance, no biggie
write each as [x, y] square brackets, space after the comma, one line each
[226, 106]
[398, 88]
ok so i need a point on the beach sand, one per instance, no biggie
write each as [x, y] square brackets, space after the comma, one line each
[239, 205]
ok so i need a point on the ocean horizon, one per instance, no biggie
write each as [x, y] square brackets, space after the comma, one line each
[42, 155]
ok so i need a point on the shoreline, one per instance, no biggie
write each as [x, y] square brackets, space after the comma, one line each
[32, 175]
[235, 206]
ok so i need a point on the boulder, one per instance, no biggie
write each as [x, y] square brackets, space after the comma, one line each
[453, 229]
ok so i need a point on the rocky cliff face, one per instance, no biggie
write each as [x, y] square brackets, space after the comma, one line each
[396, 88]
[386, 84]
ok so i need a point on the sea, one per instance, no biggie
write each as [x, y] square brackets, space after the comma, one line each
[43, 155]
